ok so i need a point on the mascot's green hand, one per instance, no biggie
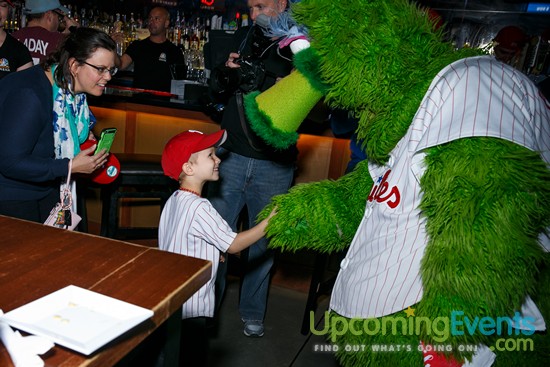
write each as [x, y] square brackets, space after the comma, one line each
[322, 215]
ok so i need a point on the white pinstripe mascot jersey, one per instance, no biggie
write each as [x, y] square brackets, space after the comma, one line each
[189, 225]
[380, 274]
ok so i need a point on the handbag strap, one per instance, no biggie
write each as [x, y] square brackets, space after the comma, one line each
[65, 195]
[70, 169]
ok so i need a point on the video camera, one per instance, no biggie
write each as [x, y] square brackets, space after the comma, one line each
[251, 74]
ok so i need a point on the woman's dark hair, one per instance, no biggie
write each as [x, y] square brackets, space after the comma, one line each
[81, 43]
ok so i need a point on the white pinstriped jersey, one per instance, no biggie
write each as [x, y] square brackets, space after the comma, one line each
[189, 225]
[477, 96]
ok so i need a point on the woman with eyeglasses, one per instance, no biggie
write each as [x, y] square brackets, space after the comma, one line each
[44, 117]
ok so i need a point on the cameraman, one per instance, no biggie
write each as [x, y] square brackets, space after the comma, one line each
[252, 172]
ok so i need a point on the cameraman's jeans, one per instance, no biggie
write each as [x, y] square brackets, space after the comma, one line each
[251, 182]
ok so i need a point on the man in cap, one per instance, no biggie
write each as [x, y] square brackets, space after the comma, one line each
[509, 43]
[41, 35]
[13, 55]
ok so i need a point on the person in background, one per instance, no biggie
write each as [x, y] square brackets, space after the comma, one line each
[343, 126]
[41, 35]
[152, 56]
[509, 44]
[189, 225]
[14, 56]
[252, 172]
[44, 117]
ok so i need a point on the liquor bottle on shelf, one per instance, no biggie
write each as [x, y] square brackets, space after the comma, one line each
[12, 23]
[70, 13]
[132, 28]
[91, 17]
[202, 38]
[177, 35]
[238, 20]
[117, 24]
[206, 35]
[83, 19]
[96, 21]
[117, 31]
[232, 25]
[186, 39]
[244, 22]
[195, 40]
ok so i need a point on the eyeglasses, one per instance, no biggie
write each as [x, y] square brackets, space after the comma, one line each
[102, 70]
[60, 15]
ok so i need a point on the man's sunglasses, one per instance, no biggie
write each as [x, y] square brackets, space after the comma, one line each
[60, 15]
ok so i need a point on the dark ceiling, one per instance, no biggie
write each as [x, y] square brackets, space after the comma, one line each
[491, 13]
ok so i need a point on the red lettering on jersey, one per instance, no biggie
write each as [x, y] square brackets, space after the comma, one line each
[382, 193]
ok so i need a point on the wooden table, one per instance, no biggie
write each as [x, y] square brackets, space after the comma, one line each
[36, 260]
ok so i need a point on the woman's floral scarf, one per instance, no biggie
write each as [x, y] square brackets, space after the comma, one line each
[71, 119]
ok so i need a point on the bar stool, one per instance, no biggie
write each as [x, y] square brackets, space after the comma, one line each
[320, 284]
[141, 177]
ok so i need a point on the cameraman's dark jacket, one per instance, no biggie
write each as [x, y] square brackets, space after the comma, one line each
[244, 141]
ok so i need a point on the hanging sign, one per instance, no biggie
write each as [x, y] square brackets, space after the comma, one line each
[538, 8]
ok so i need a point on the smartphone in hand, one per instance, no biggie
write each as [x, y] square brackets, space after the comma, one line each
[106, 139]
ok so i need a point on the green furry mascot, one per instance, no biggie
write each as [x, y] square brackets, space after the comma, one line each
[446, 221]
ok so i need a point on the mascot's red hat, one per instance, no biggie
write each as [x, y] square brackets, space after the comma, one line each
[109, 172]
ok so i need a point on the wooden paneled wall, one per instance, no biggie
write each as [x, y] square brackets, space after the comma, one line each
[146, 129]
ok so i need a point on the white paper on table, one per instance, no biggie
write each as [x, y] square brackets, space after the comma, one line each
[77, 318]
[23, 350]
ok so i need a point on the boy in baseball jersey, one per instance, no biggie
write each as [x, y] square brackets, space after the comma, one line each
[190, 225]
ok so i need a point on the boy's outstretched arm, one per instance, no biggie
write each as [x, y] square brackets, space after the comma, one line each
[246, 238]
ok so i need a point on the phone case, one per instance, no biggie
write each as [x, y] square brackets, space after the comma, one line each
[106, 140]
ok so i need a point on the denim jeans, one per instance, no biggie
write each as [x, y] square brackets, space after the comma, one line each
[252, 183]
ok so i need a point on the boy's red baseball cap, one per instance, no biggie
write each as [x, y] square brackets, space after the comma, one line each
[178, 150]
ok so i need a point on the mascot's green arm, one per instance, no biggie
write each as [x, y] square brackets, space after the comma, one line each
[486, 201]
[321, 215]
[276, 113]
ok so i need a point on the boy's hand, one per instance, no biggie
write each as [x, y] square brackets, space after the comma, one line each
[273, 212]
